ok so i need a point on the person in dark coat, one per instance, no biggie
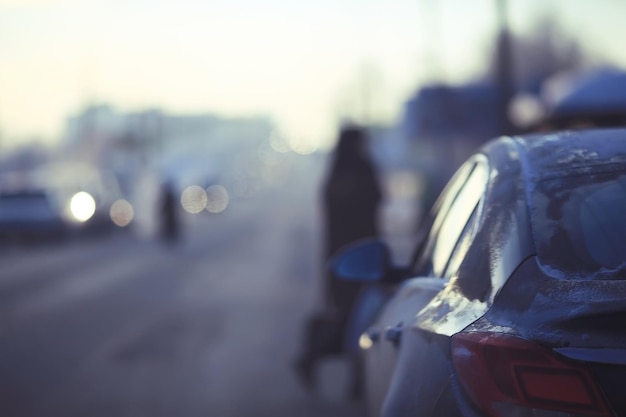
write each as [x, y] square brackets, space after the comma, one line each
[169, 217]
[351, 197]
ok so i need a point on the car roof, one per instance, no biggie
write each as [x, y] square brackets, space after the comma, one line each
[551, 155]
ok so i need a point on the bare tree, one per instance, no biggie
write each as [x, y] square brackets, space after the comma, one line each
[546, 50]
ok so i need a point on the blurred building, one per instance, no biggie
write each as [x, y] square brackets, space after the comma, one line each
[441, 126]
[444, 124]
[24, 158]
[442, 113]
[129, 142]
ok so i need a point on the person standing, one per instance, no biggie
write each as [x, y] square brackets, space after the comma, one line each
[351, 197]
[169, 216]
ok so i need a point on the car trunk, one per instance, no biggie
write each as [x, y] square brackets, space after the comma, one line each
[583, 320]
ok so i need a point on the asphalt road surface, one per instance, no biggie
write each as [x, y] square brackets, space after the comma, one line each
[120, 326]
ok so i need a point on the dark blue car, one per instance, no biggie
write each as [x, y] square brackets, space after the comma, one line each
[29, 215]
[515, 304]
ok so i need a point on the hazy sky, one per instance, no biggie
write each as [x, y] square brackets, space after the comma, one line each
[306, 64]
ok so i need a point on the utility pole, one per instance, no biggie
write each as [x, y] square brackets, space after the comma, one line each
[433, 42]
[504, 70]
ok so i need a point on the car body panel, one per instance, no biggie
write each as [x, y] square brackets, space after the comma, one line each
[398, 315]
[559, 313]
[416, 390]
[595, 355]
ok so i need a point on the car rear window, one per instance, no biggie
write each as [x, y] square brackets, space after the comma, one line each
[579, 224]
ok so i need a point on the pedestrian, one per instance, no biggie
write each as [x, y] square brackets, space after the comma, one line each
[169, 216]
[351, 198]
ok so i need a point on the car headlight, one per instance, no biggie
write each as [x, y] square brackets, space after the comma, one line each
[82, 206]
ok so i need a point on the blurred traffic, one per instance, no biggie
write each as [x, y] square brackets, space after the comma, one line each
[162, 168]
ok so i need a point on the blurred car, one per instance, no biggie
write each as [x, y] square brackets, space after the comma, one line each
[516, 299]
[56, 200]
[585, 100]
[29, 215]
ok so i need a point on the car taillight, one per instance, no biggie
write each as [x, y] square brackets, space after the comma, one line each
[508, 376]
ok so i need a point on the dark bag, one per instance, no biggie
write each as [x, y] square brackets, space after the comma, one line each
[325, 335]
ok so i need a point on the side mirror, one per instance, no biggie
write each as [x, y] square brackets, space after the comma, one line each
[366, 261]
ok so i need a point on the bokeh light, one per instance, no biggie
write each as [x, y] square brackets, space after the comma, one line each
[82, 206]
[218, 199]
[194, 199]
[303, 144]
[122, 213]
[278, 142]
[526, 110]
[405, 185]
[365, 342]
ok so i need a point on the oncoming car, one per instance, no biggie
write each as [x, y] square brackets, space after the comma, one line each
[515, 302]
[56, 201]
[29, 215]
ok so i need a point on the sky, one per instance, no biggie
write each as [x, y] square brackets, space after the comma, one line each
[306, 65]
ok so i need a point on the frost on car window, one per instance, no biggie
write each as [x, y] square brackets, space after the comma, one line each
[579, 224]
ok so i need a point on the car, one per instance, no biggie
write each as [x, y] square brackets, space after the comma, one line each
[82, 193]
[515, 302]
[591, 99]
[29, 214]
[56, 201]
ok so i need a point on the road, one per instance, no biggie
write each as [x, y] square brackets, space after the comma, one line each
[120, 326]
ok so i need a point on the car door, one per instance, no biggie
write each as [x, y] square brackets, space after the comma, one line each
[453, 225]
